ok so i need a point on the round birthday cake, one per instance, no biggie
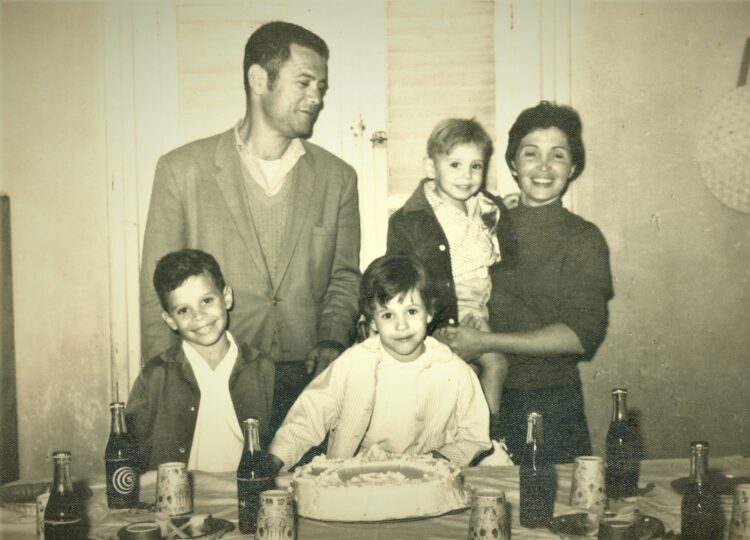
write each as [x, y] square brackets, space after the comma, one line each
[377, 486]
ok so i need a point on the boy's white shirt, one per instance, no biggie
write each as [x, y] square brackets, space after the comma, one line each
[451, 412]
[218, 439]
[395, 402]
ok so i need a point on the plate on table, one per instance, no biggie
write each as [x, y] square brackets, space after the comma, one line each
[577, 526]
[22, 497]
[720, 482]
[198, 526]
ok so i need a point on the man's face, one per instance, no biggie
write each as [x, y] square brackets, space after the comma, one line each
[291, 103]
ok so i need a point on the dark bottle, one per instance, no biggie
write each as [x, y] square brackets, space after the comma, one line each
[63, 514]
[537, 478]
[121, 462]
[254, 474]
[623, 465]
[702, 516]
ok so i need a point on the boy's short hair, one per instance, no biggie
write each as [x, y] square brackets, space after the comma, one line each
[449, 133]
[392, 276]
[270, 46]
[174, 268]
[546, 115]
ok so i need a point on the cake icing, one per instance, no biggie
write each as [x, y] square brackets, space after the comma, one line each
[377, 486]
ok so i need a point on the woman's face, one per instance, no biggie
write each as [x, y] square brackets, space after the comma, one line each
[543, 165]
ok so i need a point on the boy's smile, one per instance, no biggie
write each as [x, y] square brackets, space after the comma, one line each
[402, 325]
[458, 175]
[198, 311]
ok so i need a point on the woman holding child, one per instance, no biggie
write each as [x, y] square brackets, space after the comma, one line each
[548, 307]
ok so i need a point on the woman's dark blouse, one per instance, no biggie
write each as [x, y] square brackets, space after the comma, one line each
[560, 274]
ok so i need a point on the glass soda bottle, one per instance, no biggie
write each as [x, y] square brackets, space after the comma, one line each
[121, 462]
[254, 474]
[623, 465]
[63, 514]
[701, 514]
[537, 478]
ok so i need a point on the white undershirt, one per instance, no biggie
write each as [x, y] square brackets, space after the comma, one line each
[269, 168]
[217, 441]
[394, 417]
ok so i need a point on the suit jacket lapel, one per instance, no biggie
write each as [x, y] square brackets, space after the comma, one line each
[304, 183]
[229, 178]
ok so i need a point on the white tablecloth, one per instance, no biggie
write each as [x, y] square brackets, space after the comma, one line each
[216, 494]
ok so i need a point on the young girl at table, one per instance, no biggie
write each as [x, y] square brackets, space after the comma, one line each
[453, 225]
[399, 389]
[188, 401]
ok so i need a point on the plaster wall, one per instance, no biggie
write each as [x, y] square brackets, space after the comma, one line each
[645, 77]
[54, 172]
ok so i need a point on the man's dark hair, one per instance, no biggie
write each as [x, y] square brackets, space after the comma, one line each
[546, 115]
[269, 47]
[174, 268]
[393, 276]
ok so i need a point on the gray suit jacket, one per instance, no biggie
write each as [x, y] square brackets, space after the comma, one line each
[199, 201]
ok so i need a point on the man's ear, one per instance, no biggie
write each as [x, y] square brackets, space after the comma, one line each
[169, 320]
[257, 78]
[429, 168]
[228, 297]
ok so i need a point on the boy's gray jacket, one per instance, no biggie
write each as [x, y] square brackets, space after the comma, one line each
[452, 415]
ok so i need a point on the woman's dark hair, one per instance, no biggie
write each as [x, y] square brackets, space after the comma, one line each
[174, 268]
[392, 276]
[546, 115]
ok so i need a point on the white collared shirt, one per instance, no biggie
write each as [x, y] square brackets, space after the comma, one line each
[218, 439]
[474, 247]
[269, 174]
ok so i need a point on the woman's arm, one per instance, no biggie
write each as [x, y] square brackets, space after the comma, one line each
[553, 340]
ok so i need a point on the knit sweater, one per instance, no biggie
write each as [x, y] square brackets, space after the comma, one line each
[561, 275]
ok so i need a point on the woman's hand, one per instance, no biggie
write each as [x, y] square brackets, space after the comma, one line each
[511, 200]
[477, 323]
[465, 341]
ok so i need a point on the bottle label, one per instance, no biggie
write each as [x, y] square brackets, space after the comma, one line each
[123, 480]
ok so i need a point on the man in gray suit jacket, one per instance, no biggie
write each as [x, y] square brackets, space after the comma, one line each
[278, 213]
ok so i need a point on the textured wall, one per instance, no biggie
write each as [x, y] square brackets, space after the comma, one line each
[54, 173]
[645, 78]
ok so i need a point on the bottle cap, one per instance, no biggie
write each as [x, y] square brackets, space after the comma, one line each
[59, 455]
[117, 405]
[620, 391]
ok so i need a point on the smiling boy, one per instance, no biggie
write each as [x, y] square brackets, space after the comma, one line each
[399, 389]
[187, 403]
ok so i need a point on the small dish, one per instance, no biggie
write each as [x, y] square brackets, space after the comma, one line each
[198, 526]
[577, 527]
[22, 497]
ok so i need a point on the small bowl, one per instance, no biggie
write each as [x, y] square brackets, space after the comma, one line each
[142, 530]
[22, 497]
